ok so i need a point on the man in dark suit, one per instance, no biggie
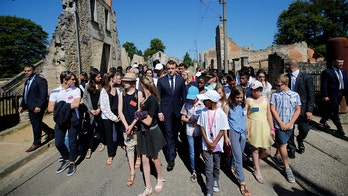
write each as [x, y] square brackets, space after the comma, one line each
[35, 100]
[171, 89]
[301, 83]
[334, 85]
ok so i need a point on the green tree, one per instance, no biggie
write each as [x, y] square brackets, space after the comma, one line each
[22, 42]
[139, 52]
[313, 21]
[187, 60]
[156, 45]
[131, 49]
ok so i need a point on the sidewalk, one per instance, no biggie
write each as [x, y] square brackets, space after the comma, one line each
[16, 140]
[321, 170]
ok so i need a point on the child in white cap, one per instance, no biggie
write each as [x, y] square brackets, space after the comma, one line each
[213, 122]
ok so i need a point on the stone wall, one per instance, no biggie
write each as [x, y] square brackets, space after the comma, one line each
[276, 66]
[125, 60]
[208, 58]
[162, 57]
[256, 58]
[97, 40]
[137, 59]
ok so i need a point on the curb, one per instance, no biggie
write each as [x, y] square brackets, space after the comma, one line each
[18, 127]
[14, 165]
[19, 162]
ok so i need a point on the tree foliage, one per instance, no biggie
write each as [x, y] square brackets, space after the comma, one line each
[131, 49]
[22, 42]
[156, 45]
[187, 60]
[313, 21]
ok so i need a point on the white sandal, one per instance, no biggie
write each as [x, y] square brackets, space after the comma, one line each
[146, 192]
[158, 188]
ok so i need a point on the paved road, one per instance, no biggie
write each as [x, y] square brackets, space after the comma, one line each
[94, 177]
[322, 170]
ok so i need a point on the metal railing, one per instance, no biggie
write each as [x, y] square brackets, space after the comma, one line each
[17, 81]
[9, 104]
[9, 115]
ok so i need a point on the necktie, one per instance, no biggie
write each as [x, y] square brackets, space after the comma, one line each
[172, 83]
[293, 82]
[340, 78]
[27, 83]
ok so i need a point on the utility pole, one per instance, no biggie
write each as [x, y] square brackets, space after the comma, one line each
[196, 55]
[79, 68]
[224, 22]
[195, 60]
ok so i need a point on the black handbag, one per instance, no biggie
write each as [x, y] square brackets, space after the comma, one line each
[85, 124]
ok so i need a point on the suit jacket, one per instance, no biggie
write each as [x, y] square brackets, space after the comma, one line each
[171, 102]
[330, 85]
[37, 94]
[304, 86]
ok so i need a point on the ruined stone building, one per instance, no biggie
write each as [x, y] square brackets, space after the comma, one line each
[239, 56]
[86, 36]
[162, 57]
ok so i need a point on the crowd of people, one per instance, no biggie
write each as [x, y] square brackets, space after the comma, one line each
[144, 111]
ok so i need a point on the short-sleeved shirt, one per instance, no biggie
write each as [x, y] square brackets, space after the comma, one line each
[237, 120]
[219, 123]
[285, 105]
[189, 110]
[68, 95]
[267, 89]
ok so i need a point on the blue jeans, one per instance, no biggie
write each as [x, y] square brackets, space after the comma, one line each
[237, 145]
[60, 144]
[212, 169]
[195, 147]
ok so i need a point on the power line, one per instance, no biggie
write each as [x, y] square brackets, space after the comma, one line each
[219, 15]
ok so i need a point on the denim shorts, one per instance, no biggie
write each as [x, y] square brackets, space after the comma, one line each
[282, 137]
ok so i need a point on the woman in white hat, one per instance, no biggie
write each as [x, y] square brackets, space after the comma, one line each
[129, 103]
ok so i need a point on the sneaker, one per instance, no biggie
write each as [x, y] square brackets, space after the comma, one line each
[193, 177]
[216, 187]
[71, 170]
[63, 166]
[289, 175]
[278, 160]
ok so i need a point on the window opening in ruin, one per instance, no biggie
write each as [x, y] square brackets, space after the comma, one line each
[105, 58]
[107, 23]
[93, 10]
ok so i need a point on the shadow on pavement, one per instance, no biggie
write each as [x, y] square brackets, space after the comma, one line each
[315, 189]
[301, 180]
[319, 127]
[281, 191]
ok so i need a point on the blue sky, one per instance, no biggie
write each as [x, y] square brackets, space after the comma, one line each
[182, 25]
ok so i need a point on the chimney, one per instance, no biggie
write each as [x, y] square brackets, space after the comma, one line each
[109, 2]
